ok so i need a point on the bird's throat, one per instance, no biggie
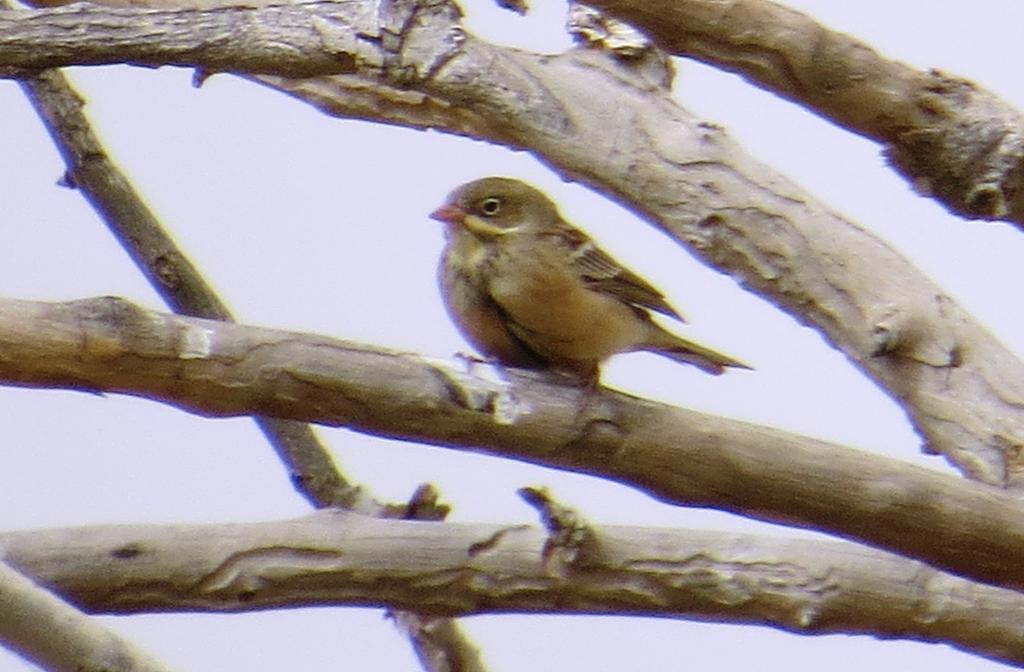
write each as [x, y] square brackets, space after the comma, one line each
[483, 229]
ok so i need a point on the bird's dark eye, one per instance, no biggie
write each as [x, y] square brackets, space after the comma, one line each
[490, 206]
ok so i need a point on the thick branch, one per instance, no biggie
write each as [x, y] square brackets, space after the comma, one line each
[676, 455]
[594, 118]
[50, 632]
[278, 39]
[338, 558]
[946, 135]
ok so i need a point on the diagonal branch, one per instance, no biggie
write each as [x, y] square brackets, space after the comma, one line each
[676, 455]
[340, 558]
[48, 631]
[594, 118]
[91, 171]
[440, 645]
[947, 136]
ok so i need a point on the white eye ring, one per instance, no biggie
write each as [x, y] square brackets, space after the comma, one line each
[490, 206]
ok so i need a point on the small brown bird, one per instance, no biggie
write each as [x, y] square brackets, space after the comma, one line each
[529, 289]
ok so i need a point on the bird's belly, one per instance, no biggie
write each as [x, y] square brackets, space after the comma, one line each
[562, 319]
[478, 318]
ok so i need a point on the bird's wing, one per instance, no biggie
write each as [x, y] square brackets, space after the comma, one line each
[602, 273]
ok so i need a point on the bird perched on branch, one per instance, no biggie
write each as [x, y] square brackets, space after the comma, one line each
[529, 289]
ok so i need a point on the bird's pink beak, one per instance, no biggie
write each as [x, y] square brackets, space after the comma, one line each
[449, 214]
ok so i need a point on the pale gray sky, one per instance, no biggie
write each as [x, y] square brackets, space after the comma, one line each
[310, 223]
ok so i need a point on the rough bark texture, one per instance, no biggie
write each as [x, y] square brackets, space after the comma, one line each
[676, 455]
[607, 120]
[339, 558]
[51, 633]
[962, 389]
[949, 137]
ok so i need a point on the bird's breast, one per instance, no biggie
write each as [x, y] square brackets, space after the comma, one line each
[560, 316]
[464, 288]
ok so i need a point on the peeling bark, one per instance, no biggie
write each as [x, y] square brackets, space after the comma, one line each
[676, 455]
[950, 138]
[339, 558]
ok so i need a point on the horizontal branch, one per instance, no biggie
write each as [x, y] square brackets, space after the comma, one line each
[279, 39]
[676, 455]
[608, 122]
[340, 558]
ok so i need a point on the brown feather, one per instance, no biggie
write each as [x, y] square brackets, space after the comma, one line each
[526, 287]
[603, 273]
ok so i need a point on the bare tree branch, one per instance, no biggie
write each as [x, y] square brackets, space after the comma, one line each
[56, 636]
[441, 646]
[699, 206]
[947, 136]
[91, 171]
[592, 117]
[340, 558]
[676, 455]
[287, 40]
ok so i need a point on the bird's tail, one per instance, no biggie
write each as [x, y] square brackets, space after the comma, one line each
[683, 350]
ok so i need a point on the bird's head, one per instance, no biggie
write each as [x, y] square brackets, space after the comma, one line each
[493, 207]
